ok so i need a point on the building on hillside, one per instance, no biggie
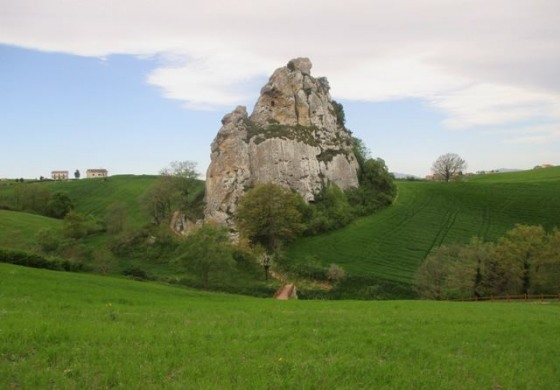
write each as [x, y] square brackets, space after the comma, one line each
[59, 175]
[91, 173]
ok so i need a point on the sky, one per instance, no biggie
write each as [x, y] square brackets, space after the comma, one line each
[132, 85]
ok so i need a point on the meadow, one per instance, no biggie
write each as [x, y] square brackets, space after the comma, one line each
[392, 243]
[18, 230]
[69, 330]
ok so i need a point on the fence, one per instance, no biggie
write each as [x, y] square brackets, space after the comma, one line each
[510, 298]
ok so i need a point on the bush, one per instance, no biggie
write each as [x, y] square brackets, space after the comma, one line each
[136, 273]
[48, 240]
[37, 261]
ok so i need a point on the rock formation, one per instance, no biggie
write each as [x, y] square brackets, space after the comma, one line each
[294, 138]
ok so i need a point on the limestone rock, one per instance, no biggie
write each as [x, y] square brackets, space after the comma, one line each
[293, 138]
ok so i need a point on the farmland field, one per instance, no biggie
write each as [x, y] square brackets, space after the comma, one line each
[392, 243]
[68, 330]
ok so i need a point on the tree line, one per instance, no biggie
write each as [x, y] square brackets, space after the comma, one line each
[38, 199]
[526, 260]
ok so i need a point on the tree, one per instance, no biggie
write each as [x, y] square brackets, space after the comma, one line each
[336, 274]
[115, 217]
[270, 215]
[32, 197]
[431, 276]
[59, 205]
[206, 252]
[545, 272]
[525, 261]
[175, 189]
[448, 165]
[48, 240]
[329, 211]
[377, 187]
[74, 225]
[361, 151]
[157, 200]
[517, 251]
[77, 174]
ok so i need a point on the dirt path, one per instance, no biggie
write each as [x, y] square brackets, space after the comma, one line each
[284, 293]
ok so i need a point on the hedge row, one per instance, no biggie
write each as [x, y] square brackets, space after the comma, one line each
[37, 261]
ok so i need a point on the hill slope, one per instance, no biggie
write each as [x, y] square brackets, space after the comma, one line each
[392, 243]
[18, 230]
[93, 196]
[155, 336]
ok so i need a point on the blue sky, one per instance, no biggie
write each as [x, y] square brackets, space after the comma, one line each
[131, 86]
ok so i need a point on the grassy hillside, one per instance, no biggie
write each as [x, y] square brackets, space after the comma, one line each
[93, 196]
[18, 230]
[64, 330]
[392, 243]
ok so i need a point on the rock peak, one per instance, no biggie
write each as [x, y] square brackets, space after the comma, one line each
[293, 137]
[301, 64]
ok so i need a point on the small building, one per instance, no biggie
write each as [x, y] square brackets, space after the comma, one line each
[59, 175]
[91, 173]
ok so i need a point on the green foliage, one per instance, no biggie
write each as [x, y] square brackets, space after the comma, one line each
[206, 252]
[116, 217]
[60, 204]
[339, 112]
[76, 225]
[336, 274]
[270, 215]
[177, 189]
[152, 243]
[360, 150]
[330, 211]
[377, 188]
[512, 266]
[136, 273]
[32, 197]
[216, 341]
[304, 134]
[33, 260]
[48, 240]
[157, 200]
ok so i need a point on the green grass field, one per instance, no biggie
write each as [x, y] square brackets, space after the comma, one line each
[392, 243]
[93, 196]
[66, 330]
[18, 230]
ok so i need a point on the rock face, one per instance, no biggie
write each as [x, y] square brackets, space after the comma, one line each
[294, 138]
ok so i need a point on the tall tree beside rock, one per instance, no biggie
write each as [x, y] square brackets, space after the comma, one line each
[270, 215]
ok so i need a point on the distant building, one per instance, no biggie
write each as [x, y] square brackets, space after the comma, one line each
[59, 175]
[91, 173]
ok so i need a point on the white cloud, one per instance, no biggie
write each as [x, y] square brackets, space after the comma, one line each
[488, 104]
[481, 62]
[539, 134]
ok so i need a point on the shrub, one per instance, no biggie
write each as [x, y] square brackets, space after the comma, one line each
[37, 261]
